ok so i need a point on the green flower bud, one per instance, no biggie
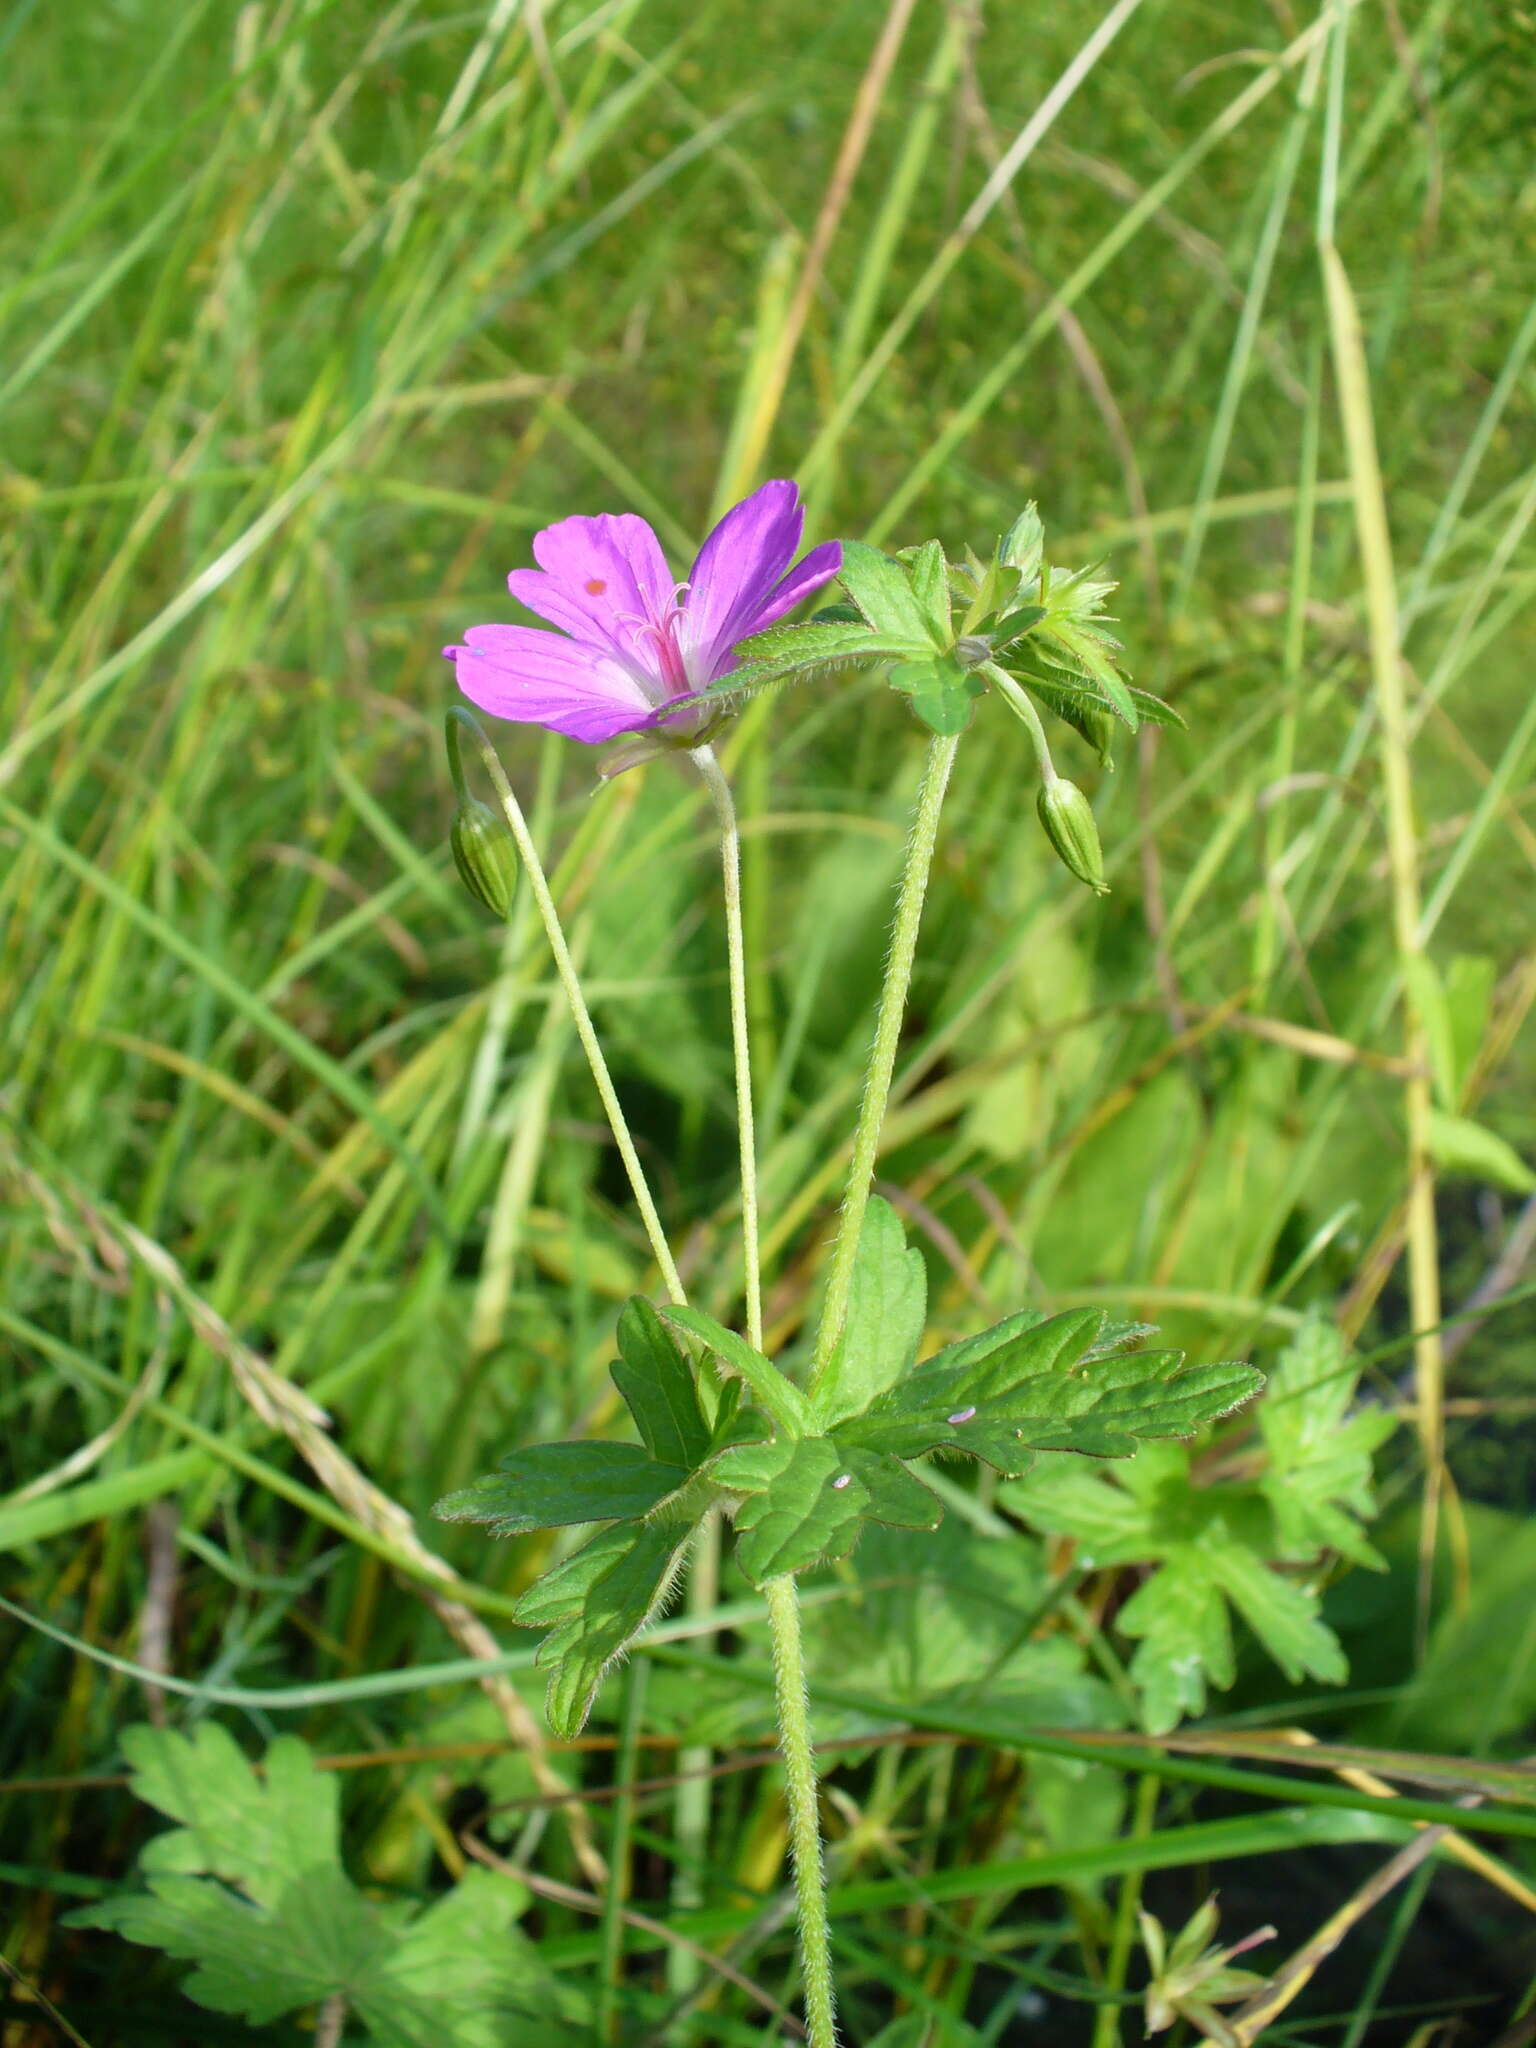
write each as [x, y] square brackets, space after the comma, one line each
[483, 855]
[1069, 825]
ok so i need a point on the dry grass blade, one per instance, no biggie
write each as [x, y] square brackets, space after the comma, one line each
[1288, 1983]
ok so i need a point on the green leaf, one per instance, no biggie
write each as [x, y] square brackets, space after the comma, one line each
[1318, 1484]
[1186, 1640]
[785, 651]
[883, 591]
[1078, 702]
[774, 1394]
[497, 1989]
[1461, 1146]
[802, 1502]
[1087, 711]
[948, 1619]
[1022, 547]
[1087, 648]
[252, 1893]
[316, 1938]
[807, 1499]
[1026, 1386]
[551, 1485]
[1469, 985]
[1434, 1014]
[658, 1387]
[942, 692]
[896, 1496]
[1216, 1545]
[928, 574]
[1153, 710]
[887, 1306]
[1282, 1614]
[257, 1833]
[594, 1605]
[1016, 624]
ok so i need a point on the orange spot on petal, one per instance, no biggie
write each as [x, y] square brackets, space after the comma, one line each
[596, 586]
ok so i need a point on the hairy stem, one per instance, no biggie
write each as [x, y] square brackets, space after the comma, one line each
[804, 1828]
[330, 2021]
[565, 968]
[882, 1063]
[730, 866]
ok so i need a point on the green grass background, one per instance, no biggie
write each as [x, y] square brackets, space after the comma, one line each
[313, 313]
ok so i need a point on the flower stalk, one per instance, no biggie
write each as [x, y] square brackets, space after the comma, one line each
[882, 1063]
[719, 788]
[460, 722]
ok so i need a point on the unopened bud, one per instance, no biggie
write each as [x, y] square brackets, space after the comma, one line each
[483, 855]
[1069, 824]
[1097, 728]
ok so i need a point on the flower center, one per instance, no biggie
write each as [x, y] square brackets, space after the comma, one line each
[659, 647]
[669, 653]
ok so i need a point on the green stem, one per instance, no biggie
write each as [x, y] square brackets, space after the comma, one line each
[1019, 702]
[693, 1793]
[611, 1964]
[882, 1064]
[804, 1827]
[1106, 2030]
[565, 968]
[730, 865]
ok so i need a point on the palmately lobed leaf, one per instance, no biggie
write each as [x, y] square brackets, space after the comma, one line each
[252, 1893]
[801, 1502]
[257, 1832]
[1217, 1546]
[805, 1501]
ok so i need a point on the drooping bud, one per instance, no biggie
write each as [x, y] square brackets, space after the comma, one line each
[1069, 824]
[484, 857]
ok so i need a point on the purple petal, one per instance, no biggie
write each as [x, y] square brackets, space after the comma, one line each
[735, 573]
[600, 578]
[544, 679]
[817, 568]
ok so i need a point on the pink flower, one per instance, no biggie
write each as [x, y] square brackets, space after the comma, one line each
[631, 640]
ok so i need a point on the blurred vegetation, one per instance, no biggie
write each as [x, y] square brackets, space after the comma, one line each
[314, 312]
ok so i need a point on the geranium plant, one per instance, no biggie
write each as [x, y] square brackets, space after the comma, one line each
[797, 1464]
